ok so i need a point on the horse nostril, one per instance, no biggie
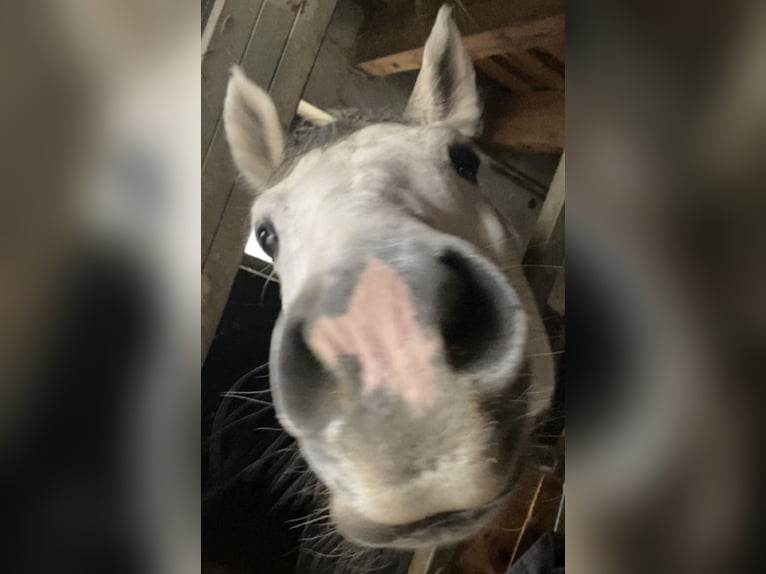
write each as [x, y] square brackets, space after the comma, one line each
[302, 386]
[477, 320]
[302, 363]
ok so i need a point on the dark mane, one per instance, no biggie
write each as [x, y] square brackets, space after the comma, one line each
[305, 135]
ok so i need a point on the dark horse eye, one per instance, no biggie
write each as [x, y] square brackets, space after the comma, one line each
[267, 238]
[465, 161]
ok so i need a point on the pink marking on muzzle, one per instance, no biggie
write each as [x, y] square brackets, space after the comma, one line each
[380, 329]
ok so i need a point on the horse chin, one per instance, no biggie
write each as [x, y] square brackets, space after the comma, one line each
[437, 529]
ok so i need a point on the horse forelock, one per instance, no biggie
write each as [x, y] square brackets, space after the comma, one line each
[306, 135]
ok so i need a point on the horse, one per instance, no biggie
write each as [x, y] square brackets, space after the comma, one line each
[409, 361]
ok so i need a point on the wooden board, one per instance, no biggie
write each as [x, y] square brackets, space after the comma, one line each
[263, 53]
[525, 122]
[496, 67]
[545, 252]
[392, 35]
[280, 50]
[542, 69]
[227, 40]
[518, 49]
[496, 40]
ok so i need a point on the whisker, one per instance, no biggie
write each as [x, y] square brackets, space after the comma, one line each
[546, 354]
[239, 421]
[289, 472]
[269, 280]
[325, 522]
[322, 554]
[261, 392]
[239, 396]
[317, 537]
[271, 451]
[316, 521]
[316, 511]
[532, 266]
[214, 451]
[255, 465]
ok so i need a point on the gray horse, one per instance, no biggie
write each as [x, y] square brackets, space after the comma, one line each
[409, 361]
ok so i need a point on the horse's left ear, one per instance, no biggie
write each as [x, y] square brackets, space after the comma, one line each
[445, 90]
[252, 129]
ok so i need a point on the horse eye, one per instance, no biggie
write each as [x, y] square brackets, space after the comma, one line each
[465, 161]
[267, 238]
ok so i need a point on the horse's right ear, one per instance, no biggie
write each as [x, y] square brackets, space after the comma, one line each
[252, 129]
[445, 89]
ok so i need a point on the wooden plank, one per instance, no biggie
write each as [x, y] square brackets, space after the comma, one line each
[432, 560]
[313, 113]
[556, 49]
[545, 54]
[394, 43]
[557, 298]
[543, 69]
[525, 122]
[481, 45]
[283, 63]
[260, 61]
[298, 57]
[541, 517]
[420, 560]
[211, 23]
[496, 68]
[397, 30]
[544, 256]
[226, 44]
[269, 40]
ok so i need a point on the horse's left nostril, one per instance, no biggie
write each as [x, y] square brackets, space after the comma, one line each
[305, 387]
[478, 320]
[302, 364]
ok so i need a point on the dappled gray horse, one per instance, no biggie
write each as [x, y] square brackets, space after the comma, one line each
[409, 361]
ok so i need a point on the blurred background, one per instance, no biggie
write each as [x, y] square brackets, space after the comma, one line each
[100, 285]
[666, 116]
[99, 288]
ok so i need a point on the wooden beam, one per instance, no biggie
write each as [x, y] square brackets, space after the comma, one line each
[225, 41]
[489, 28]
[545, 252]
[557, 50]
[481, 45]
[496, 68]
[314, 114]
[432, 560]
[267, 37]
[532, 121]
[557, 298]
[281, 51]
[540, 65]
[212, 23]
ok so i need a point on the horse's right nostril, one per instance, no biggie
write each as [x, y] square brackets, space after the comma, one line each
[305, 387]
[478, 320]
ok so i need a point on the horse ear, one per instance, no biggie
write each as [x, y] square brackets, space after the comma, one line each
[252, 129]
[445, 90]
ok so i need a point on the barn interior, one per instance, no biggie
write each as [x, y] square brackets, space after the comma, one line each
[317, 56]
